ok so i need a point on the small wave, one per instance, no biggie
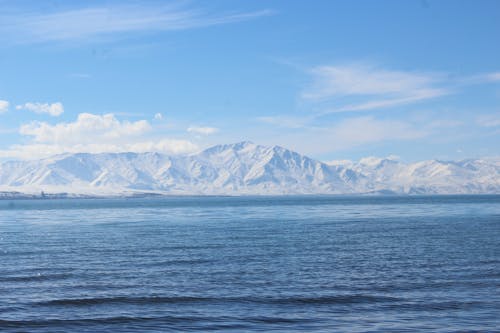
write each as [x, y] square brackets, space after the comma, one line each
[176, 262]
[36, 277]
[436, 306]
[158, 322]
[335, 299]
[280, 320]
[65, 322]
[321, 300]
[123, 300]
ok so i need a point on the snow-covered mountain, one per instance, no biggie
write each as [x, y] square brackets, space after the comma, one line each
[386, 175]
[243, 168]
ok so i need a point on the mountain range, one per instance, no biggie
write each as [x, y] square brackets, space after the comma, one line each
[242, 169]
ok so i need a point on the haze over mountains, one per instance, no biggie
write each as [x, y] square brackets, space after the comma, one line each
[244, 168]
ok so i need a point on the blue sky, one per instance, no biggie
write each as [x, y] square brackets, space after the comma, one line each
[330, 79]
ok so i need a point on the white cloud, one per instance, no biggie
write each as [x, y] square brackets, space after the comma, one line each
[489, 120]
[4, 106]
[393, 157]
[93, 134]
[87, 128]
[371, 88]
[105, 20]
[202, 130]
[158, 116]
[54, 109]
[35, 151]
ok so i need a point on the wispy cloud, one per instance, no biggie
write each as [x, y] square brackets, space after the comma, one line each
[4, 106]
[444, 123]
[80, 75]
[370, 87]
[493, 76]
[492, 120]
[286, 121]
[389, 102]
[203, 130]
[351, 132]
[363, 80]
[106, 20]
[54, 109]
[360, 87]
[362, 130]
[7, 130]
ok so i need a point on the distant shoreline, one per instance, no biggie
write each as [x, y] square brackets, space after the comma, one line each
[4, 196]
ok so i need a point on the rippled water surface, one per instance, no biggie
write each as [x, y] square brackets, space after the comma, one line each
[308, 264]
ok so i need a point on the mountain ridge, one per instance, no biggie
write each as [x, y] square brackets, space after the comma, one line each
[244, 168]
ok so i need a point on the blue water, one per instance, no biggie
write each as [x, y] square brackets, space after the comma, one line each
[308, 264]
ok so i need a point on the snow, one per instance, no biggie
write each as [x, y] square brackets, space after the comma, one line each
[244, 168]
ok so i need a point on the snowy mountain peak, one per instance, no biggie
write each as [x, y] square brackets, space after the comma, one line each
[244, 168]
[235, 147]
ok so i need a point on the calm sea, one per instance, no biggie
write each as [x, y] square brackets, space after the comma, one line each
[308, 264]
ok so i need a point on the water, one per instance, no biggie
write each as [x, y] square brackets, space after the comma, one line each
[308, 264]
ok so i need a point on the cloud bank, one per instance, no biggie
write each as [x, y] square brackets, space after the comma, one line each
[94, 134]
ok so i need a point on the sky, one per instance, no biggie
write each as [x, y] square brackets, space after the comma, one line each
[415, 79]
